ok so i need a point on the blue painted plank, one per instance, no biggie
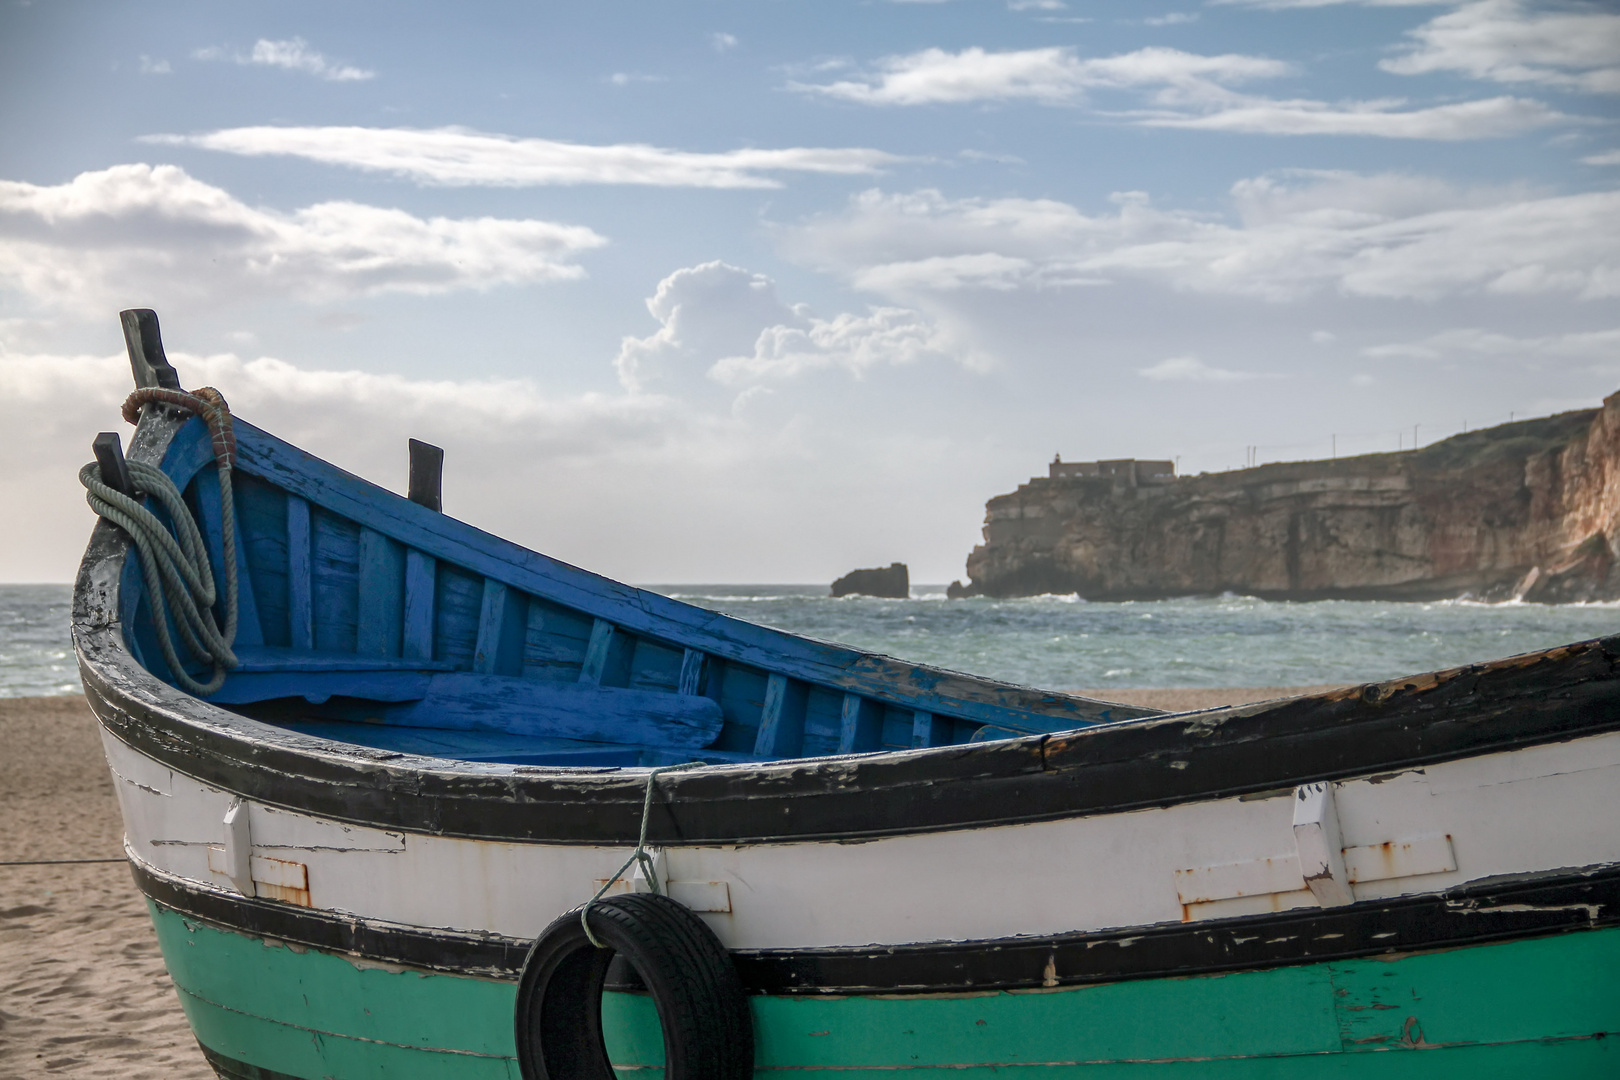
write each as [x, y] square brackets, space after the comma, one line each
[649, 614]
[502, 621]
[823, 720]
[300, 579]
[335, 570]
[261, 519]
[420, 574]
[554, 642]
[691, 680]
[381, 619]
[434, 742]
[190, 451]
[210, 521]
[458, 597]
[244, 687]
[272, 658]
[468, 701]
[781, 721]
[862, 728]
[596, 652]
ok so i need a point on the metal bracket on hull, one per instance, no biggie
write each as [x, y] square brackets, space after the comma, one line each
[1321, 850]
[239, 848]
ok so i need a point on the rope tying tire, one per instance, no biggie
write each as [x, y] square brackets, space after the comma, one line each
[639, 855]
[175, 567]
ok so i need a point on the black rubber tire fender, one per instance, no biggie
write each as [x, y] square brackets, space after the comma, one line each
[708, 1028]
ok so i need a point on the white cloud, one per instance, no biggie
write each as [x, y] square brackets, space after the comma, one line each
[722, 42]
[51, 406]
[1173, 18]
[1050, 76]
[728, 324]
[1036, 5]
[1294, 236]
[150, 66]
[1577, 48]
[626, 78]
[1191, 369]
[1610, 157]
[456, 157]
[1483, 119]
[758, 490]
[142, 228]
[1281, 5]
[290, 54]
[1178, 89]
[1601, 345]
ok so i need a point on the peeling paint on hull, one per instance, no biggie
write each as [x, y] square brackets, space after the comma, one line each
[1540, 1007]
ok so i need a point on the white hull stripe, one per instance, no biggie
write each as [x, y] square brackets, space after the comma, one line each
[1526, 812]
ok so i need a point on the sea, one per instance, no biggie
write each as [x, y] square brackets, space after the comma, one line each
[1054, 642]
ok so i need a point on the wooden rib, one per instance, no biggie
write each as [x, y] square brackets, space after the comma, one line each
[861, 728]
[596, 651]
[781, 721]
[502, 623]
[691, 681]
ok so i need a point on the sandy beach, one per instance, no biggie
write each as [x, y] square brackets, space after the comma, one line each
[85, 993]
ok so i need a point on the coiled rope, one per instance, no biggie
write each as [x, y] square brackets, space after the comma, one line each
[639, 855]
[175, 566]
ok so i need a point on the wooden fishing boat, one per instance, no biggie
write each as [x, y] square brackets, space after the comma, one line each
[368, 839]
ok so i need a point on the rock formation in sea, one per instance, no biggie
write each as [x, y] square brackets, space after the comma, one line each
[892, 581]
[1527, 510]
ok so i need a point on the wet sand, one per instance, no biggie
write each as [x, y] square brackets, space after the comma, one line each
[84, 991]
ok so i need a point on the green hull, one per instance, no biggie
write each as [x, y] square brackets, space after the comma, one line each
[1537, 1007]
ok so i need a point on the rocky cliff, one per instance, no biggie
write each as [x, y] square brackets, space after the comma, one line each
[1530, 510]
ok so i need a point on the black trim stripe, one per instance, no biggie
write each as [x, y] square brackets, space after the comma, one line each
[1496, 909]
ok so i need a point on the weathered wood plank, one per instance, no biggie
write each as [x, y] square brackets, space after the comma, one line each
[420, 574]
[271, 658]
[458, 598]
[246, 687]
[473, 702]
[862, 728]
[781, 721]
[554, 642]
[300, 578]
[380, 631]
[335, 579]
[502, 621]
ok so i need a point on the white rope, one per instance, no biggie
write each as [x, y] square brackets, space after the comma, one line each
[639, 855]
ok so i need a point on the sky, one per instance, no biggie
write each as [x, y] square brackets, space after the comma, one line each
[763, 292]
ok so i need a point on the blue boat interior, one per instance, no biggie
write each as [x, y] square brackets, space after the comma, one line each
[373, 620]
